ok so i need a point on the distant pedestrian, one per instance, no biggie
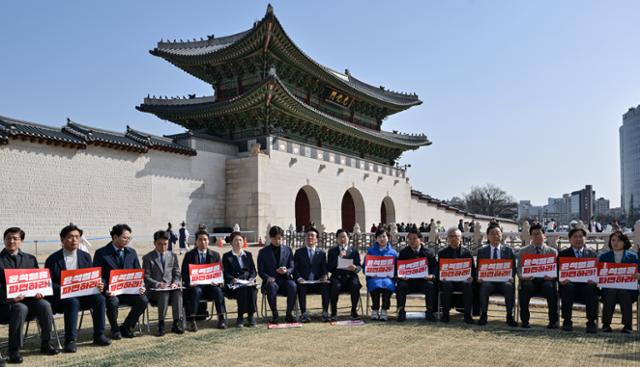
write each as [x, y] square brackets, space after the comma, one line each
[183, 238]
[172, 237]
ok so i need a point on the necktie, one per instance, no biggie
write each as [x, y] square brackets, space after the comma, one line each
[495, 252]
[537, 250]
[162, 260]
[121, 258]
[202, 258]
[579, 253]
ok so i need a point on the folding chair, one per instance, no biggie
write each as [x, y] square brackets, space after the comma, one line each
[146, 319]
[263, 307]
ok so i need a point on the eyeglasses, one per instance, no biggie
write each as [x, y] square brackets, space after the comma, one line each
[127, 239]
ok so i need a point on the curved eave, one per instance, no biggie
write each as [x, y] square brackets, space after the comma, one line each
[285, 102]
[186, 55]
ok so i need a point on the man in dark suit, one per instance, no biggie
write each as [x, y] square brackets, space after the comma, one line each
[310, 264]
[201, 254]
[416, 250]
[455, 251]
[71, 258]
[118, 255]
[496, 250]
[585, 292]
[275, 267]
[15, 311]
[344, 279]
[162, 279]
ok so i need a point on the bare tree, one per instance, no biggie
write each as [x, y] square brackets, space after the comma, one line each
[490, 200]
[457, 202]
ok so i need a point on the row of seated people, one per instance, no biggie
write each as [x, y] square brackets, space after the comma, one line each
[570, 292]
[282, 273]
[165, 281]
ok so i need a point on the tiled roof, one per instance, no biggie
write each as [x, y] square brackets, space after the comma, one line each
[158, 142]
[79, 136]
[11, 128]
[96, 136]
[179, 52]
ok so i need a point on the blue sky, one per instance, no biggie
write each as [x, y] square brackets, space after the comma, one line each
[524, 95]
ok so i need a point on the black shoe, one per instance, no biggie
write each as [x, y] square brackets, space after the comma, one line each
[290, 319]
[48, 349]
[325, 316]
[192, 326]
[606, 328]
[274, 320]
[354, 315]
[591, 327]
[240, 322]
[483, 320]
[116, 335]
[333, 318]
[70, 346]
[251, 321]
[445, 317]
[160, 331]
[627, 329]
[176, 327]
[126, 332]
[553, 325]
[304, 319]
[402, 315]
[14, 356]
[429, 316]
[222, 323]
[467, 320]
[511, 322]
[567, 326]
[101, 340]
[525, 325]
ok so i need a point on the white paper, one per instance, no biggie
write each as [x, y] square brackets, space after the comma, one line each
[344, 263]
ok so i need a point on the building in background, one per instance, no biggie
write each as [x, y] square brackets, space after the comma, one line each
[630, 159]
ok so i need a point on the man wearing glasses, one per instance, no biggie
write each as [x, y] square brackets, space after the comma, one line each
[118, 255]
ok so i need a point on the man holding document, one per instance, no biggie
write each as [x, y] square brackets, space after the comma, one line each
[71, 294]
[162, 278]
[310, 272]
[344, 265]
[416, 274]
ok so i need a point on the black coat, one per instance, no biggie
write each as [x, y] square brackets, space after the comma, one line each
[332, 262]
[55, 263]
[23, 261]
[232, 270]
[459, 253]
[407, 253]
[107, 258]
[303, 266]
[505, 253]
[192, 257]
[267, 263]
